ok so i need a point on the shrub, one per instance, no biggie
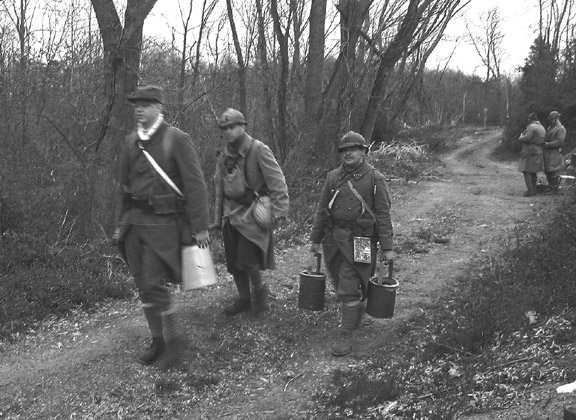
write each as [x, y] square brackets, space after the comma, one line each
[37, 282]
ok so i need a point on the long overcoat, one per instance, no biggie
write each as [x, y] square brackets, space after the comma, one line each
[335, 222]
[264, 175]
[531, 156]
[553, 160]
[148, 202]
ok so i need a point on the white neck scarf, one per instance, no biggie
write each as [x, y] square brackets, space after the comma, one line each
[144, 134]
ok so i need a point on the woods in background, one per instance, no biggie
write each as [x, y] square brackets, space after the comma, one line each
[302, 71]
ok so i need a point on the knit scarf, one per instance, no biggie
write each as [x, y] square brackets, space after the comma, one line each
[144, 134]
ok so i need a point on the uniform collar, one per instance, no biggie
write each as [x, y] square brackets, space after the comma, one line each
[358, 172]
[242, 148]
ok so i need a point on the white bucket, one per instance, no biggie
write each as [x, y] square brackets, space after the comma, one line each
[197, 268]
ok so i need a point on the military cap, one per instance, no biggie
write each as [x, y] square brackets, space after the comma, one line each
[231, 117]
[148, 93]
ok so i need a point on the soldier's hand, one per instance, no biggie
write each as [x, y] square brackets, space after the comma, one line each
[278, 222]
[115, 237]
[202, 239]
[215, 226]
[386, 256]
[315, 248]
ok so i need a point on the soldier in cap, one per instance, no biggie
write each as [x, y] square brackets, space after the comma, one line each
[553, 160]
[154, 219]
[531, 157]
[247, 175]
[355, 203]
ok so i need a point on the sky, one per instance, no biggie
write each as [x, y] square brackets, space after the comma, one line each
[519, 20]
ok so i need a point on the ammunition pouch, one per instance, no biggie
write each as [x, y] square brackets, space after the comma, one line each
[364, 227]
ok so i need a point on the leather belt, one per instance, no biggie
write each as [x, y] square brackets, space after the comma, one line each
[343, 224]
[140, 203]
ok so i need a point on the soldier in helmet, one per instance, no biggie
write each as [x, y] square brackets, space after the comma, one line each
[553, 160]
[355, 203]
[246, 174]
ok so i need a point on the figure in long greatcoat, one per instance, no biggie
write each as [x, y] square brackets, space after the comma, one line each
[248, 179]
[531, 157]
[553, 160]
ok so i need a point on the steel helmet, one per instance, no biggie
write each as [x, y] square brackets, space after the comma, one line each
[352, 139]
[553, 114]
[231, 117]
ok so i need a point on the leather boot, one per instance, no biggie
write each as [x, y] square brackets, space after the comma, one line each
[343, 344]
[528, 180]
[242, 303]
[361, 312]
[260, 301]
[152, 353]
[174, 341]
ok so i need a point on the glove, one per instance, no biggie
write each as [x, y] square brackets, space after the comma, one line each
[315, 248]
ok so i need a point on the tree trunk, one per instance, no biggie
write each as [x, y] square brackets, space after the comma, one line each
[388, 60]
[337, 96]
[282, 89]
[239, 57]
[122, 49]
[265, 72]
[315, 60]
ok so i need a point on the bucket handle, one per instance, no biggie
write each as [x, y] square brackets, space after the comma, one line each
[390, 265]
[318, 257]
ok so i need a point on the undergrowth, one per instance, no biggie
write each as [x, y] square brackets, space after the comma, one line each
[488, 339]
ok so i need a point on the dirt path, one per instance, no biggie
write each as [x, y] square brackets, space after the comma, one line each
[76, 367]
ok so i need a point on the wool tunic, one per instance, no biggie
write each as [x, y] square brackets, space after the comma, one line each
[148, 202]
[339, 209]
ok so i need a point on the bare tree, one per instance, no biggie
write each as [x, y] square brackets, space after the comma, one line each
[282, 88]
[488, 42]
[21, 14]
[554, 19]
[122, 49]
[315, 59]
[190, 54]
[419, 21]
[264, 76]
[239, 57]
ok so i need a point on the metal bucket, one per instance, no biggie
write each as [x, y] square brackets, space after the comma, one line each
[381, 294]
[570, 412]
[197, 268]
[312, 288]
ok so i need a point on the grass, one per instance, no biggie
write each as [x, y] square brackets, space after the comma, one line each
[474, 350]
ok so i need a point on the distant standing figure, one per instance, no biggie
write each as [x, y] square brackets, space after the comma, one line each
[531, 156]
[246, 172]
[353, 212]
[154, 220]
[553, 160]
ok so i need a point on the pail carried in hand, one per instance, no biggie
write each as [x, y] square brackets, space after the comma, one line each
[312, 288]
[382, 294]
[197, 268]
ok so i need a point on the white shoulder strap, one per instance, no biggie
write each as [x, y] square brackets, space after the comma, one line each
[160, 170]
